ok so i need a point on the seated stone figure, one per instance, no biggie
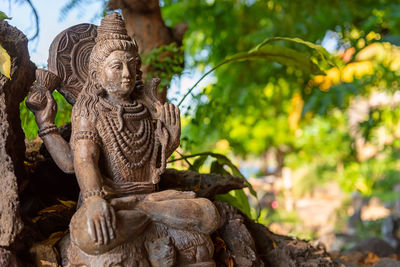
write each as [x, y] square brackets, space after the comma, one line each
[121, 138]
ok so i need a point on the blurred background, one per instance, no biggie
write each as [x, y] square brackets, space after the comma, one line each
[320, 146]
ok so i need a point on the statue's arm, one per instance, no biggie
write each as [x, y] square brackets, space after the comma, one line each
[86, 145]
[100, 215]
[43, 105]
[60, 151]
[87, 172]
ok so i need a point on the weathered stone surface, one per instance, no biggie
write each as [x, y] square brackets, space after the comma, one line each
[284, 251]
[12, 147]
[7, 258]
[45, 255]
[240, 245]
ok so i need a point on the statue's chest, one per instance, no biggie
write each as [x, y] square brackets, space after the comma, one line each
[127, 135]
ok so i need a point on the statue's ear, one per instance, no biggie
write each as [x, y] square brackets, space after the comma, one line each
[93, 75]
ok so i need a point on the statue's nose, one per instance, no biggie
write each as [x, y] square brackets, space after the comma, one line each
[125, 71]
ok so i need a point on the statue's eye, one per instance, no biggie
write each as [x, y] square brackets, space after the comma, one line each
[131, 64]
[116, 66]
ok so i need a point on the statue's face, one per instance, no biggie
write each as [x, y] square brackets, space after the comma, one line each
[118, 74]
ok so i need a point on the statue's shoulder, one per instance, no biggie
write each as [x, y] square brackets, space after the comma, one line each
[83, 123]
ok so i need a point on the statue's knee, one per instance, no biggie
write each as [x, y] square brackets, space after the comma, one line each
[208, 216]
[80, 235]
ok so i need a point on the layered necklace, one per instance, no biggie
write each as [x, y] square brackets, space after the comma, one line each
[127, 133]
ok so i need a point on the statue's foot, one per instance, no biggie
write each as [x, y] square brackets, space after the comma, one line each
[192, 214]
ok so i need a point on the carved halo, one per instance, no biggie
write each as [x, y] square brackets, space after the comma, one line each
[69, 58]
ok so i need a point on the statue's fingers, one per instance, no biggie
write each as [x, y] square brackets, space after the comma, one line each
[99, 233]
[162, 111]
[50, 98]
[92, 231]
[109, 223]
[177, 115]
[35, 96]
[51, 104]
[104, 229]
[165, 133]
[167, 114]
[172, 114]
[158, 106]
[113, 220]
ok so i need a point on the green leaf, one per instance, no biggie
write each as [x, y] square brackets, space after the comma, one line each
[238, 199]
[235, 171]
[282, 55]
[5, 63]
[198, 163]
[218, 168]
[313, 63]
[3, 16]
[323, 54]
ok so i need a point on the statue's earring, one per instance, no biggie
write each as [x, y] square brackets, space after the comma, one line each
[100, 91]
[93, 75]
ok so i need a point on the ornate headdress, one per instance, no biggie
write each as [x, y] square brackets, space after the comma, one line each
[111, 36]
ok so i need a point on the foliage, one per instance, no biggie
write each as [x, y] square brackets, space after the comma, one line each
[312, 64]
[5, 63]
[288, 220]
[368, 229]
[164, 62]
[3, 16]
[81, 5]
[255, 106]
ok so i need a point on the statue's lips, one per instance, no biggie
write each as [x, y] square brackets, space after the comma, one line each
[126, 82]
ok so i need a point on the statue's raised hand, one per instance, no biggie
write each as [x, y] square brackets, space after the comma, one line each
[43, 105]
[171, 120]
[40, 101]
[100, 219]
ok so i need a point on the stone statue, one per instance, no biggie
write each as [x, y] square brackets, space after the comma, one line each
[121, 138]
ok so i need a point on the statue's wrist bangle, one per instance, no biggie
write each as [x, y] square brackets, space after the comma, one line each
[92, 193]
[47, 129]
